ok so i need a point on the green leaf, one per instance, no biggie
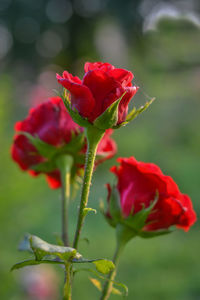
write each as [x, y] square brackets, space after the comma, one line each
[138, 220]
[98, 285]
[83, 122]
[31, 262]
[86, 210]
[42, 248]
[116, 291]
[119, 284]
[104, 266]
[151, 234]
[109, 117]
[44, 149]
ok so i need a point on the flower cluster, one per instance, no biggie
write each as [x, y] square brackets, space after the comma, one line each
[63, 136]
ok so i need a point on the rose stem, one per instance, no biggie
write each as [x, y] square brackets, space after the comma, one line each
[65, 163]
[94, 136]
[109, 283]
[123, 236]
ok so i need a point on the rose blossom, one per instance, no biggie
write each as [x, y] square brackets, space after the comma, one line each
[101, 85]
[137, 185]
[51, 122]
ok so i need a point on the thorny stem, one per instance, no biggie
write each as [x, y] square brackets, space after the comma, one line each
[94, 136]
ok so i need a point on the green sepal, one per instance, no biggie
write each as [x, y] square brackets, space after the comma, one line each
[41, 249]
[151, 234]
[81, 121]
[108, 219]
[31, 262]
[46, 167]
[138, 220]
[134, 113]
[109, 118]
[115, 206]
[76, 143]
[44, 149]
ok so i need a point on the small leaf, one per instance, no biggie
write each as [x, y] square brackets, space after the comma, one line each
[104, 266]
[96, 283]
[42, 248]
[119, 284]
[116, 291]
[109, 117]
[31, 262]
[86, 210]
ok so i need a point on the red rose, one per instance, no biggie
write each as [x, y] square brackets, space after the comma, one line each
[137, 186]
[51, 122]
[102, 85]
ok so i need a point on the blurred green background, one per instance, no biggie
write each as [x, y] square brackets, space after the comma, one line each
[160, 42]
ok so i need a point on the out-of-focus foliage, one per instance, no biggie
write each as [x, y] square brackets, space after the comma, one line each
[40, 38]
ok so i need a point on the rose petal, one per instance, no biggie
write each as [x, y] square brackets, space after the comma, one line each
[123, 76]
[101, 86]
[98, 65]
[81, 96]
[123, 105]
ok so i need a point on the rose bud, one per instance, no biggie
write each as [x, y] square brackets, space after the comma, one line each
[102, 97]
[145, 201]
[49, 132]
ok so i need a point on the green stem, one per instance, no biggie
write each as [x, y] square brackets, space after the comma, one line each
[94, 136]
[123, 235]
[109, 284]
[64, 164]
[68, 282]
[65, 204]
